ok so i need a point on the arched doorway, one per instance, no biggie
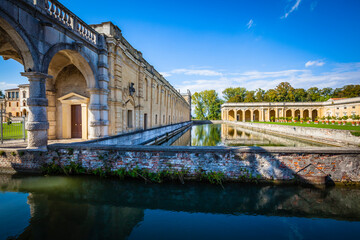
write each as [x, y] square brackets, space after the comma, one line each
[239, 115]
[272, 115]
[231, 115]
[314, 114]
[247, 116]
[297, 115]
[306, 114]
[256, 115]
[288, 113]
[68, 94]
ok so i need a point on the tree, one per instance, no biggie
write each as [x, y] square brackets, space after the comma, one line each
[199, 106]
[325, 94]
[207, 105]
[313, 94]
[259, 95]
[250, 96]
[300, 95]
[347, 91]
[285, 92]
[230, 93]
[270, 95]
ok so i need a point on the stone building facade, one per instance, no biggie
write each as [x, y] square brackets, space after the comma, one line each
[267, 111]
[84, 81]
[139, 97]
[12, 102]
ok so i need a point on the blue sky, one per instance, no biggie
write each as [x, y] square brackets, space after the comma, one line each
[201, 45]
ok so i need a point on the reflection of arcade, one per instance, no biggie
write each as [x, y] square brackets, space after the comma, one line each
[90, 208]
[232, 135]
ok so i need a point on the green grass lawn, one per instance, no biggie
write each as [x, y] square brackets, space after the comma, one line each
[355, 130]
[12, 131]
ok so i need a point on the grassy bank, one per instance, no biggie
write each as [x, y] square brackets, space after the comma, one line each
[355, 130]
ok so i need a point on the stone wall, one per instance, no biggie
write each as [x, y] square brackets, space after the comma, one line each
[331, 135]
[237, 164]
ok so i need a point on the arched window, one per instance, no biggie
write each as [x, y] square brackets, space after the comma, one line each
[24, 103]
[24, 94]
[17, 104]
[9, 104]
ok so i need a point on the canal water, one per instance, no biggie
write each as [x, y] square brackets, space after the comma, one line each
[232, 135]
[40, 207]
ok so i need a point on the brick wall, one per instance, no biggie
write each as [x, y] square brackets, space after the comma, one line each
[263, 164]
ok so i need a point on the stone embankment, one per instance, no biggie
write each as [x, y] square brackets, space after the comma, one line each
[310, 165]
[330, 135]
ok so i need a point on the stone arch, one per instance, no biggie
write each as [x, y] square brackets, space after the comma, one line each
[314, 114]
[63, 54]
[239, 115]
[306, 114]
[297, 114]
[231, 115]
[248, 116]
[272, 114]
[20, 41]
[288, 113]
[256, 115]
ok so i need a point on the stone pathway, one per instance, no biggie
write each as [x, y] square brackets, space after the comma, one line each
[23, 144]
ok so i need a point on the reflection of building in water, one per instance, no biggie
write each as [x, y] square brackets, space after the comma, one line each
[183, 140]
[90, 208]
[232, 135]
[266, 111]
[52, 218]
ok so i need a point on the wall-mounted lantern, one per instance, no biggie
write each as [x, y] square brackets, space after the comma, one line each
[131, 89]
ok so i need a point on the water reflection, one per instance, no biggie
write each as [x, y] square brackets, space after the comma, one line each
[93, 208]
[231, 135]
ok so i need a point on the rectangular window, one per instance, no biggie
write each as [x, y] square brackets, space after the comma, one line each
[155, 119]
[9, 94]
[164, 119]
[9, 104]
[17, 94]
[353, 107]
[129, 119]
[13, 94]
[344, 107]
[337, 108]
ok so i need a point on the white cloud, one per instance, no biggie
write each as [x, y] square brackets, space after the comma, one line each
[250, 24]
[5, 85]
[317, 63]
[342, 74]
[293, 8]
[198, 72]
[165, 74]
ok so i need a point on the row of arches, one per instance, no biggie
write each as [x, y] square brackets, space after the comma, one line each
[257, 115]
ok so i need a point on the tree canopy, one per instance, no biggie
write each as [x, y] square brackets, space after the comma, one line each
[284, 92]
[207, 105]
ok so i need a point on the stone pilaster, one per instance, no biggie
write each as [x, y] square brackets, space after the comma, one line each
[37, 124]
[103, 79]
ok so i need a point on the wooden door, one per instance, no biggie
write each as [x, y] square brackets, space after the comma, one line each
[76, 126]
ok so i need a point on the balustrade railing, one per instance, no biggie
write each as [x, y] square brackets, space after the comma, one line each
[70, 20]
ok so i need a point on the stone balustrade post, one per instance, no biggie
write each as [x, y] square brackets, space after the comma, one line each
[37, 125]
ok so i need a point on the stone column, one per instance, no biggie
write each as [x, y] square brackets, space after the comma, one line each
[251, 115]
[37, 124]
[103, 80]
[301, 113]
[51, 109]
[268, 116]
